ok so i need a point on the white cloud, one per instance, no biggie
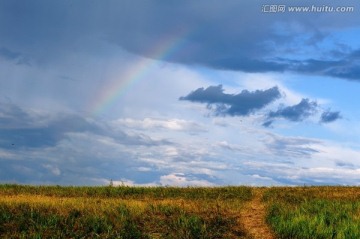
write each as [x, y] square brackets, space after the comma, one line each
[53, 169]
[266, 81]
[5, 154]
[156, 124]
[180, 179]
[337, 152]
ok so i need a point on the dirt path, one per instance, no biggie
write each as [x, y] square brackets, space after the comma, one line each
[253, 217]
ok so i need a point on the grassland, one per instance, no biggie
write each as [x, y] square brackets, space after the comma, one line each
[170, 212]
[314, 212]
[121, 212]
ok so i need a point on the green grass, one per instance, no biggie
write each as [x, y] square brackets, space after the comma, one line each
[314, 212]
[171, 212]
[121, 212]
[125, 192]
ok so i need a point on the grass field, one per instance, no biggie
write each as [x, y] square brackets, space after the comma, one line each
[170, 212]
[314, 212]
[121, 212]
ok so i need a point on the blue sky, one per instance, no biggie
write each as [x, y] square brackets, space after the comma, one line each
[179, 93]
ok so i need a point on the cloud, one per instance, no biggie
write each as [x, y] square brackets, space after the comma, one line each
[347, 67]
[19, 128]
[12, 55]
[246, 103]
[345, 165]
[300, 175]
[166, 124]
[212, 34]
[329, 116]
[299, 160]
[53, 169]
[241, 104]
[300, 112]
[12, 116]
[66, 148]
[296, 113]
[247, 65]
[267, 123]
[8, 54]
[291, 147]
[100, 151]
[180, 179]
[77, 55]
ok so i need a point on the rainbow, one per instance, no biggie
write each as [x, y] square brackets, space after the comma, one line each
[113, 91]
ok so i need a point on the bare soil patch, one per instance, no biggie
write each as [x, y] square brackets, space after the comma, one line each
[253, 217]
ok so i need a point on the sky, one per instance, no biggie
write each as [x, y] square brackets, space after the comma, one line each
[180, 93]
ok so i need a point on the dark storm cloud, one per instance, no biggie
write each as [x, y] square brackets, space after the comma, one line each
[11, 116]
[300, 112]
[329, 116]
[347, 67]
[233, 35]
[246, 102]
[20, 128]
[297, 112]
[33, 137]
[241, 104]
[248, 65]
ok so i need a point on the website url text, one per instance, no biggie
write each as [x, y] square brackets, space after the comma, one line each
[273, 8]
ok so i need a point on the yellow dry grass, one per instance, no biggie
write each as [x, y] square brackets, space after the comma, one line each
[253, 217]
[149, 216]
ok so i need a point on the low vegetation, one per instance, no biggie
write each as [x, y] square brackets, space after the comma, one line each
[121, 212]
[171, 212]
[314, 212]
